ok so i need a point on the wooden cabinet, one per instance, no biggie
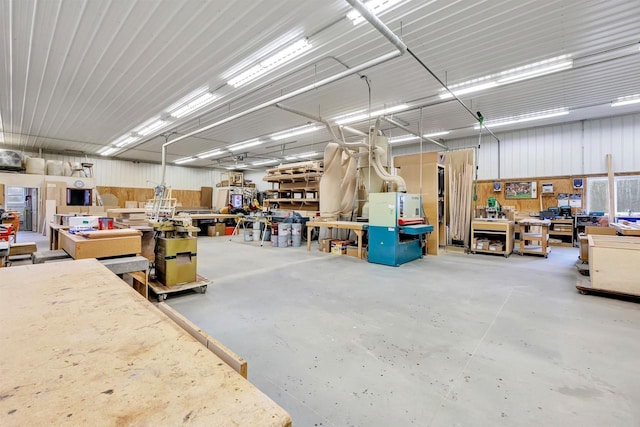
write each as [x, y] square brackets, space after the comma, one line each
[434, 193]
[534, 237]
[295, 187]
[561, 232]
[613, 263]
[492, 231]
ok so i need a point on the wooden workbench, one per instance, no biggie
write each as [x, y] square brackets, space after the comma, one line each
[80, 347]
[80, 247]
[54, 235]
[357, 227]
[626, 229]
[613, 264]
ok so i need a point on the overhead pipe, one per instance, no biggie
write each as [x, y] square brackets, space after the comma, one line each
[372, 63]
[406, 129]
[378, 24]
[378, 153]
[400, 45]
[340, 141]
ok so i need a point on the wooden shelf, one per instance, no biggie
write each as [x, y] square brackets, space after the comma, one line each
[302, 179]
[496, 230]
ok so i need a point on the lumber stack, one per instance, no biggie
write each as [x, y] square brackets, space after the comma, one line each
[128, 217]
[460, 167]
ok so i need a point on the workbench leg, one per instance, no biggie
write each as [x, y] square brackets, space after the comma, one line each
[309, 230]
[359, 234]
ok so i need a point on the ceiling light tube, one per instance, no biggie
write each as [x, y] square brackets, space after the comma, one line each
[525, 118]
[285, 55]
[264, 162]
[375, 6]
[193, 105]
[434, 134]
[152, 127]
[107, 151]
[626, 100]
[124, 140]
[525, 72]
[307, 155]
[211, 153]
[242, 166]
[300, 130]
[358, 117]
[564, 65]
[245, 144]
[403, 138]
[184, 160]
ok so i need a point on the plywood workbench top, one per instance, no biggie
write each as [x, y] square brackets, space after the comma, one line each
[80, 347]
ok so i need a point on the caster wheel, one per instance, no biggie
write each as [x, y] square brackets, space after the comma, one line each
[162, 297]
[203, 289]
[583, 292]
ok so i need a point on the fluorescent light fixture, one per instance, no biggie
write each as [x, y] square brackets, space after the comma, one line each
[107, 151]
[242, 166]
[152, 127]
[525, 72]
[360, 116]
[307, 155]
[525, 118]
[535, 69]
[626, 100]
[403, 138]
[375, 6]
[124, 140]
[245, 144]
[264, 162]
[434, 134]
[184, 160]
[287, 54]
[470, 89]
[211, 153]
[194, 104]
[300, 130]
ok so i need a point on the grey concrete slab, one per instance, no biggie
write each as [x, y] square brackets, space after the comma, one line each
[455, 340]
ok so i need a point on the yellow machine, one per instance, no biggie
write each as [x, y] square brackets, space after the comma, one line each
[176, 251]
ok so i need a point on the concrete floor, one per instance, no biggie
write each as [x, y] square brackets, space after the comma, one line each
[455, 340]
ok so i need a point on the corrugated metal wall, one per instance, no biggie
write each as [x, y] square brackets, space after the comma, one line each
[567, 149]
[118, 173]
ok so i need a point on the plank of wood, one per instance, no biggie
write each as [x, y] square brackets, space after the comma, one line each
[610, 195]
[108, 234]
[103, 355]
[80, 247]
[26, 248]
[216, 347]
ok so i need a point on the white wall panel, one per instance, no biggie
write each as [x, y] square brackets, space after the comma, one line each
[619, 136]
[566, 149]
[119, 173]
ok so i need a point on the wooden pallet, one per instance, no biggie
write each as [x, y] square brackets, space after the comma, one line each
[161, 291]
[585, 290]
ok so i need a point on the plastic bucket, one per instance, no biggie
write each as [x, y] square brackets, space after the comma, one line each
[256, 231]
[296, 234]
[248, 235]
[284, 235]
[105, 223]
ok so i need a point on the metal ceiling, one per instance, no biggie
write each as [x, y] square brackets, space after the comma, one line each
[76, 75]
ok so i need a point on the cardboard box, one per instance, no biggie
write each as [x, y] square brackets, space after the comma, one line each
[339, 247]
[352, 251]
[497, 247]
[482, 244]
[325, 245]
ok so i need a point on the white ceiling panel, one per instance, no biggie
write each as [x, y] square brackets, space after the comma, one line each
[76, 75]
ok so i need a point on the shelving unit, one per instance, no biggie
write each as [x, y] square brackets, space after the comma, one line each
[534, 237]
[295, 186]
[562, 229]
[500, 230]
